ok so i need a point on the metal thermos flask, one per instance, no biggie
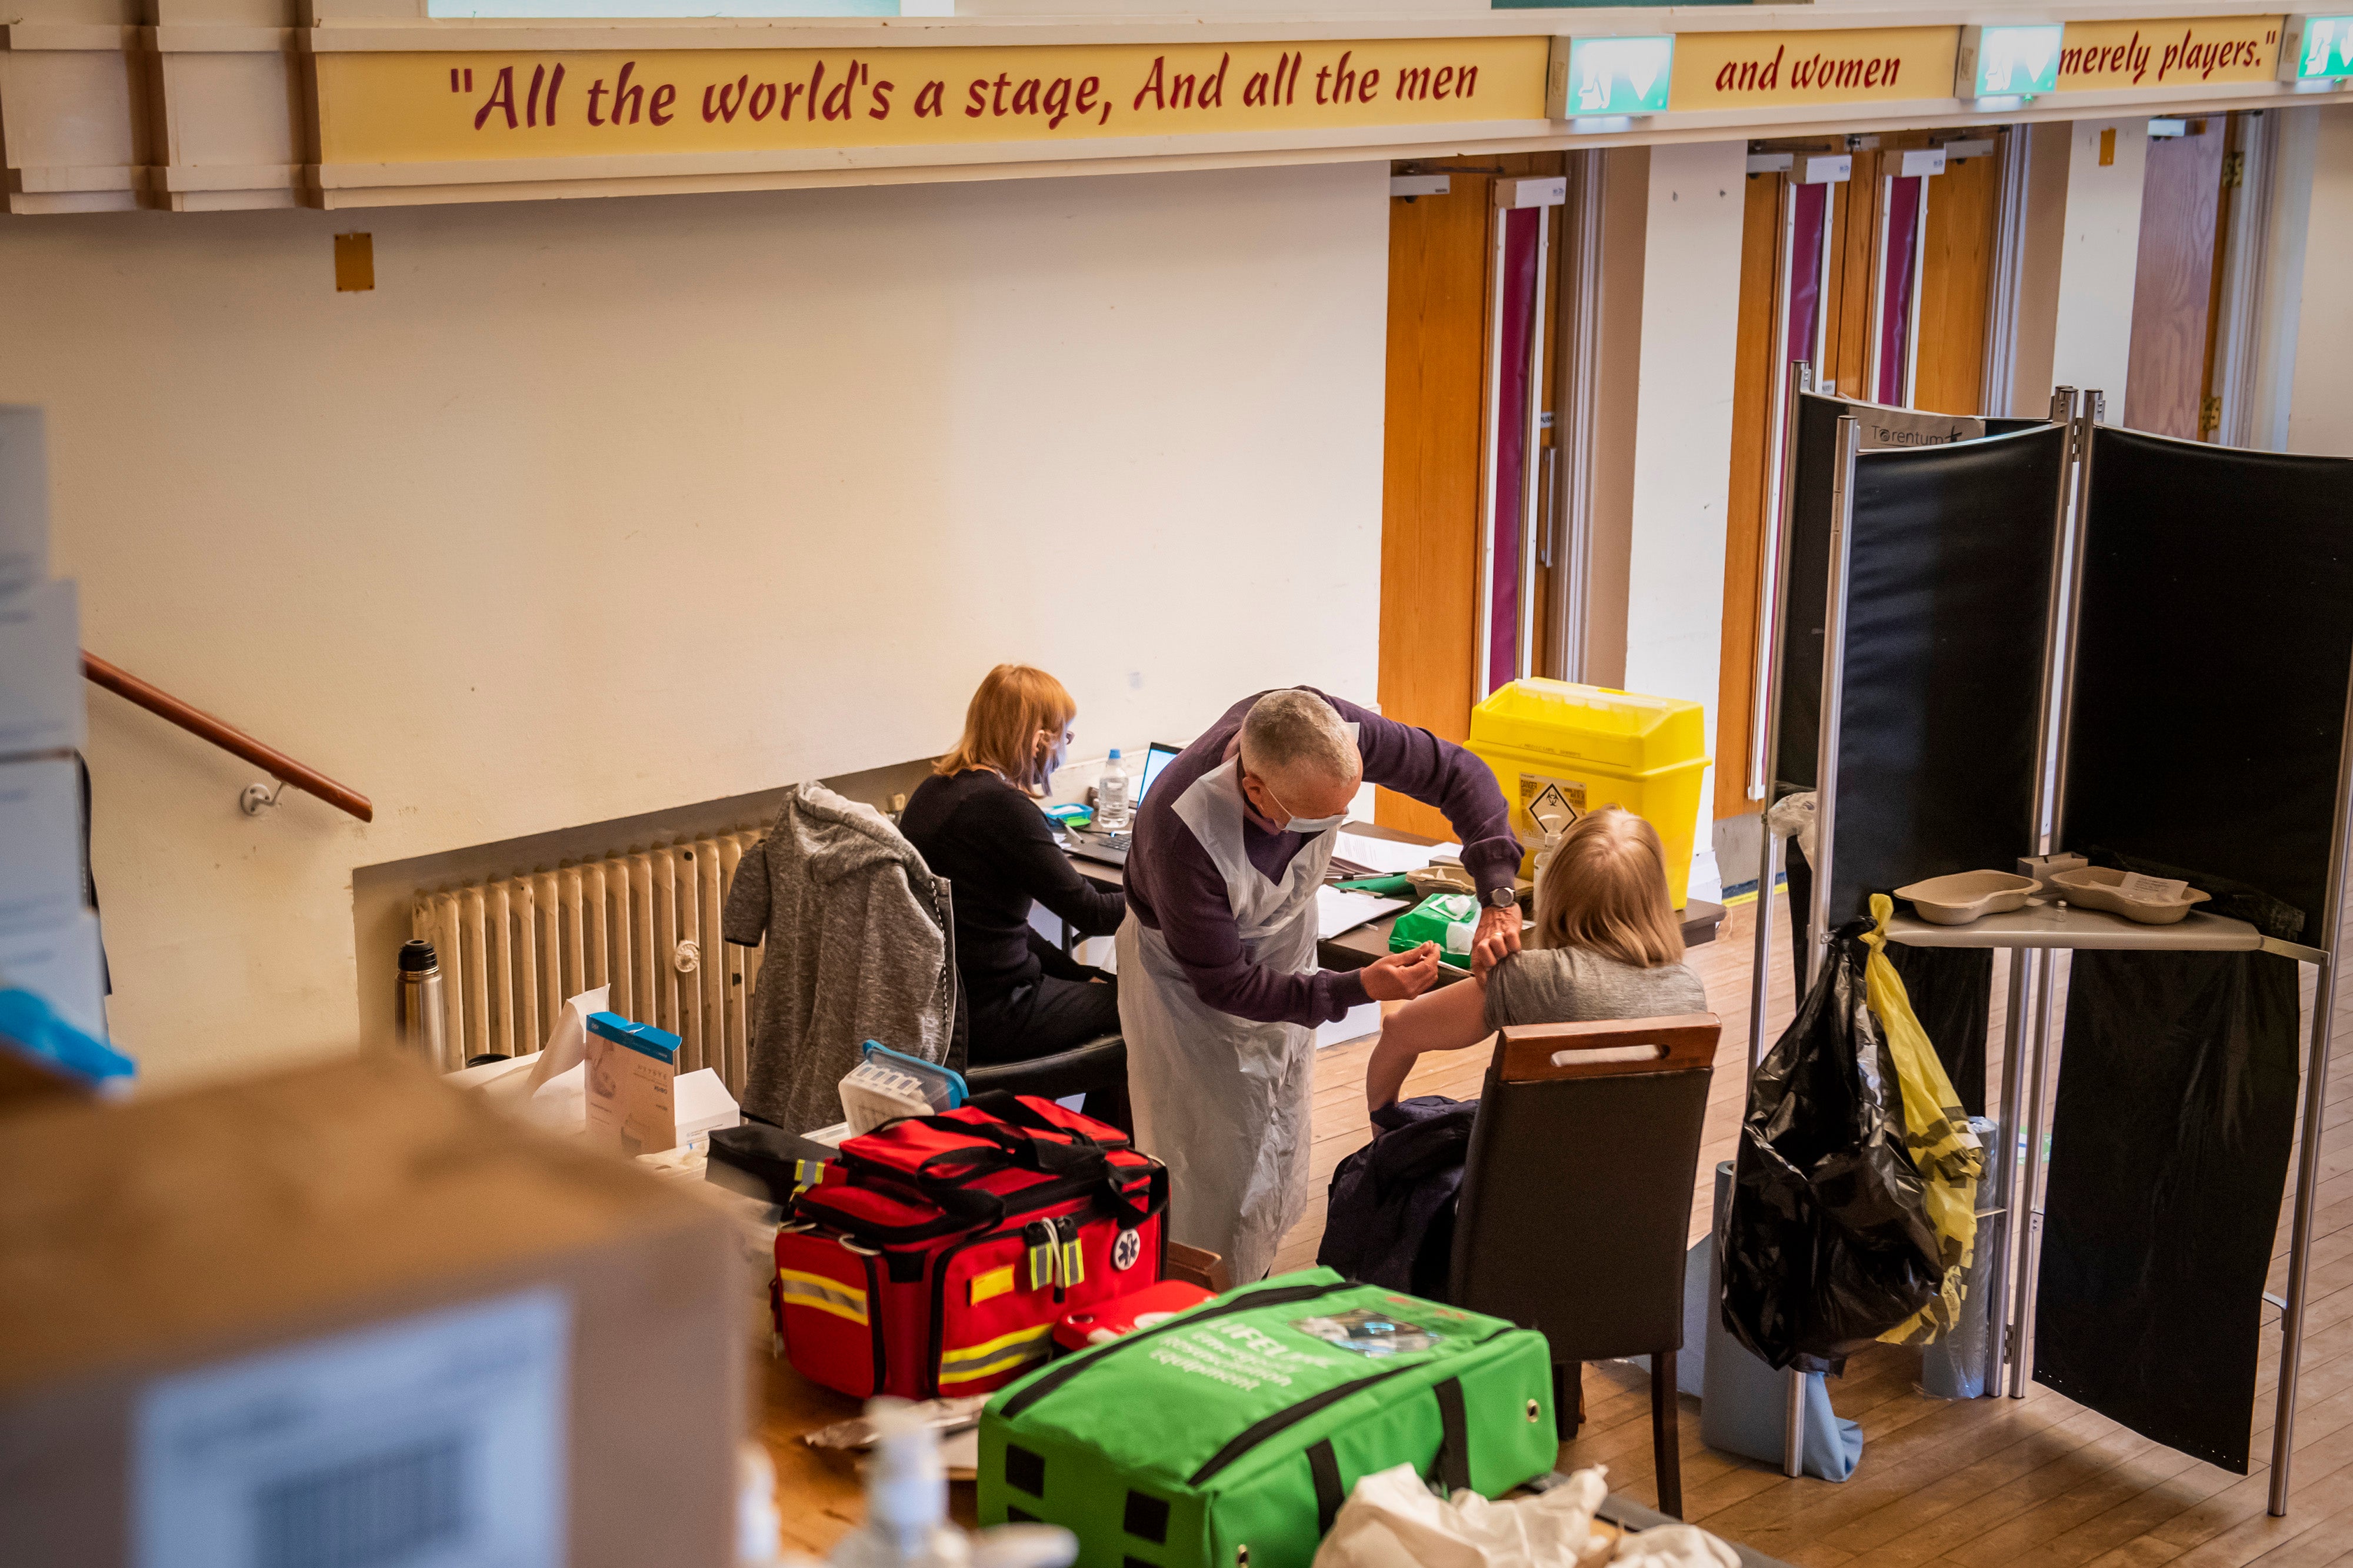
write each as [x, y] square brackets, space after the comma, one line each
[420, 1004]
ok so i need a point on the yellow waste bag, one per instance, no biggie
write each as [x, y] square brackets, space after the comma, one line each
[1936, 1133]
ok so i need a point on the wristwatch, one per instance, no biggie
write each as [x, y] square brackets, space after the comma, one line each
[1503, 898]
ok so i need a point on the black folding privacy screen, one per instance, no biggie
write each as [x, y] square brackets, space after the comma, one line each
[2146, 645]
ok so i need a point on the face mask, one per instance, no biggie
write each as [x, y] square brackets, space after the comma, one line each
[1310, 825]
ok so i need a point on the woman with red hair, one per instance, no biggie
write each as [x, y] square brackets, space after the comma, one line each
[975, 822]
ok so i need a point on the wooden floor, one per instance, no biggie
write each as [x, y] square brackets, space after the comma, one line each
[1981, 1482]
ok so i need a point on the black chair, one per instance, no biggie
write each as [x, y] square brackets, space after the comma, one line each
[1576, 1196]
[1096, 1069]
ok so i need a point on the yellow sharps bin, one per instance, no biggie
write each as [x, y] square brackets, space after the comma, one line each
[1561, 750]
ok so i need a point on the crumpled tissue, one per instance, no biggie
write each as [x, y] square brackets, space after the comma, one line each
[1792, 816]
[1392, 1519]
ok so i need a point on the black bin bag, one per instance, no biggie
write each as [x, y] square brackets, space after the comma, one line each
[1950, 988]
[1828, 1244]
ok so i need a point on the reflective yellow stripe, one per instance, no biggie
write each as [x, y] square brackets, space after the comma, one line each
[820, 1294]
[992, 1356]
[989, 1347]
[996, 1282]
[1012, 1360]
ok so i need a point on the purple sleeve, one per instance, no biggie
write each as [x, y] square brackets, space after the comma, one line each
[1196, 919]
[1417, 764]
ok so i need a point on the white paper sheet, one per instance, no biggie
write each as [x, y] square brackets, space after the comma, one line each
[568, 1043]
[60, 962]
[24, 499]
[41, 840]
[446, 1429]
[1337, 911]
[1389, 857]
[41, 706]
[2152, 889]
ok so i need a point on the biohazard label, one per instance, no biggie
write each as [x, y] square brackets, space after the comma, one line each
[1548, 805]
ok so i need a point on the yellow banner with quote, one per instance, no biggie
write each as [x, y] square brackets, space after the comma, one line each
[420, 107]
[1778, 70]
[2096, 55]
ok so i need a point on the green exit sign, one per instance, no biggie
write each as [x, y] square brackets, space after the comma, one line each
[2317, 48]
[1618, 76]
[2008, 62]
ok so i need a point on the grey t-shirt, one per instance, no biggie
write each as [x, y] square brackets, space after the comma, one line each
[1578, 985]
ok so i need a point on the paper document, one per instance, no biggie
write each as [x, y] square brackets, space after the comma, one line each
[1337, 911]
[2152, 889]
[1388, 857]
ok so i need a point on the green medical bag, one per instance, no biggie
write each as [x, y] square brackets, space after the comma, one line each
[1228, 1436]
[1450, 919]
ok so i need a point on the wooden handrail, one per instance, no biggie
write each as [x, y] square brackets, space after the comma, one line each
[228, 737]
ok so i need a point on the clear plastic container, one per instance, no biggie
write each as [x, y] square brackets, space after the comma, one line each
[1113, 790]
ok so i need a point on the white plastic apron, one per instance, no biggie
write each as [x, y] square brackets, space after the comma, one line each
[1223, 1101]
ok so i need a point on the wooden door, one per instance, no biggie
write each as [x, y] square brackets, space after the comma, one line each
[1955, 276]
[2174, 282]
[1441, 254]
[1746, 513]
[1846, 363]
[1852, 284]
[1957, 286]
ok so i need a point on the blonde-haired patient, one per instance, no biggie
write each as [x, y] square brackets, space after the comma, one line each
[1607, 945]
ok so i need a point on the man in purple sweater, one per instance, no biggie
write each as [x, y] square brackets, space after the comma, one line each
[1219, 991]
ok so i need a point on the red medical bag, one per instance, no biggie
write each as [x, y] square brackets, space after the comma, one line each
[1105, 1322]
[939, 1252]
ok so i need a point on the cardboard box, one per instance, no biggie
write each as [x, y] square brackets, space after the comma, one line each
[632, 1076]
[319, 1315]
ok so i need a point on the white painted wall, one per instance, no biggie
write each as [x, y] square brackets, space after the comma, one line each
[2320, 417]
[598, 507]
[1683, 439]
[2093, 341]
[2279, 308]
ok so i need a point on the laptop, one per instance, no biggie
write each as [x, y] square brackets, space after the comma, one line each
[1110, 849]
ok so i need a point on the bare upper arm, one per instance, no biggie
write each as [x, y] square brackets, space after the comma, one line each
[1446, 1019]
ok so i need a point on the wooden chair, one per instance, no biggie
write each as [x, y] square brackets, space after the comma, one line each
[1576, 1196]
[1200, 1265]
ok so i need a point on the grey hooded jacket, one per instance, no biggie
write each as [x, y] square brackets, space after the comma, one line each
[858, 949]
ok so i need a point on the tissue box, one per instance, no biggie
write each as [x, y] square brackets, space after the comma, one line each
[632, 1072]
[308, 1316]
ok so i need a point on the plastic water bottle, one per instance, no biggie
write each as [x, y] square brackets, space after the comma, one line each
[1110, 797]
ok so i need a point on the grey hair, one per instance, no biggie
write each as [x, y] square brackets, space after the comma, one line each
[1288, 730]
